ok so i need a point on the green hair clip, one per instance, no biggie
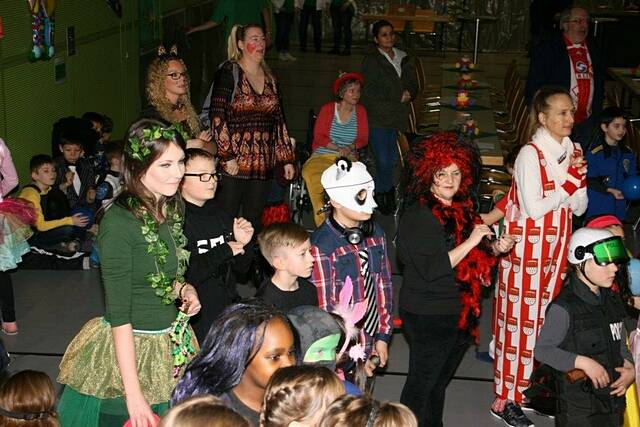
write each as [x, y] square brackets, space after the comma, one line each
[137, 147]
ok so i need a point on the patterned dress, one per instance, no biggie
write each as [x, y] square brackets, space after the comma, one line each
[249, 126]
[532, 274]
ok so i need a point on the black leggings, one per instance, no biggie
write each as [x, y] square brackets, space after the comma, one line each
[251, 194]
[436, 348]
[7, 303]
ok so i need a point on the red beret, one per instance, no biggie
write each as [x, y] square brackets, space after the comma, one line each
[604, 221]
[343, 78]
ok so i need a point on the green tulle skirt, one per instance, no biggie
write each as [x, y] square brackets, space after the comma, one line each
[81, 410]
[94, 394]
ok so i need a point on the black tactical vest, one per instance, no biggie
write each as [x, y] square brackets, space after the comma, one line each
[595, 331]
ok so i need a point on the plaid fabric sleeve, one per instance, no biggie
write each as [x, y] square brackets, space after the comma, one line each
[384, 291]
[321, 277]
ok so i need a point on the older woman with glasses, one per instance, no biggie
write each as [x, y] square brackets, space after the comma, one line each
[340, 130]
[169, 100]
[217, 241]
[448, 256]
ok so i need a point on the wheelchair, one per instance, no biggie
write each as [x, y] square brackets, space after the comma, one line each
[299, 201]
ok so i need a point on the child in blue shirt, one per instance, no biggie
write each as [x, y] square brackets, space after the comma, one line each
[610, 162]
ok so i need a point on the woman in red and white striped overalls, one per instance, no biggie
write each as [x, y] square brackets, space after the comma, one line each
[549, 186]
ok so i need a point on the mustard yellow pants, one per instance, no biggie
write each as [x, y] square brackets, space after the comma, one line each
[312, 172]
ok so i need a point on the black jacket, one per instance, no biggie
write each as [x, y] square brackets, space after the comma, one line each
[383, 89]
[207, 229]
[550, 65]
[428, 284]
[86, 173]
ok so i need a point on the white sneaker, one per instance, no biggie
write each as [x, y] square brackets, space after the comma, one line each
[290, 57]
[282, 56]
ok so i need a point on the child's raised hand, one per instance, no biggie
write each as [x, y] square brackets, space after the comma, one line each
[242, 230]
[68, 179]
[79, 220]
[596, 373]
[627, 377]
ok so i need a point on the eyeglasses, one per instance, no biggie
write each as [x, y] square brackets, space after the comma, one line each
[206, 177]
[579, 21]
[442, 175]
[177, 76]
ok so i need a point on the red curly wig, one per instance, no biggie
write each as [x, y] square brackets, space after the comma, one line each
[459, 218]
[436, 153]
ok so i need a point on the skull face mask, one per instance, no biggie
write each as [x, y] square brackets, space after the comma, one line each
[349, 184]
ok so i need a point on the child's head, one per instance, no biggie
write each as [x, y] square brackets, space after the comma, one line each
[287, 248]
[203, 411]
[101, 124]
[200, 178]
[246, 344]
[350, 189]
[43, 171]
[298, 396]
[613, 123]
[364, 411]
[608, 222]
[113, 154]
[318, 333]
[595, 254]
[71, 150]
[28, 399]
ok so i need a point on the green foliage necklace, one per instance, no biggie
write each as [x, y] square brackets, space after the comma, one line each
[160, 281]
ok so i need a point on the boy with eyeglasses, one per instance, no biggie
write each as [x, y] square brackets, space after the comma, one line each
[217, 241]
[583, 338]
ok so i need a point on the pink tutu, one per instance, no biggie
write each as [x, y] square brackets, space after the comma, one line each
[16, 215]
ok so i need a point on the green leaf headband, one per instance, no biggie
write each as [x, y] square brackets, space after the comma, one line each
[137, 147]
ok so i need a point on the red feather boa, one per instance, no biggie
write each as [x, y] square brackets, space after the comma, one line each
[475, 269]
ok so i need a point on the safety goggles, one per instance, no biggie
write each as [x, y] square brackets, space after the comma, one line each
[608, 251]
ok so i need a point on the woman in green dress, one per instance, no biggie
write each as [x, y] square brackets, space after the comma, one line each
[125, 364]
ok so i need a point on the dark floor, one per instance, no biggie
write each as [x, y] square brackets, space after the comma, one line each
[52, 306]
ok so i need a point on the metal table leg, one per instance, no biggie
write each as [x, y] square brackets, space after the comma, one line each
[475, 46]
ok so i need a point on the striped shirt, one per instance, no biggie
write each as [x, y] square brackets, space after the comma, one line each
[341, 134]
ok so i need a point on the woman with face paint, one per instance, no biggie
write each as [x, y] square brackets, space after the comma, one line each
[448, 256]
[248, 125]
[246, 344]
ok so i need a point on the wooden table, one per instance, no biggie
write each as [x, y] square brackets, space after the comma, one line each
[407, 18]
[630, 84]
[490, 149]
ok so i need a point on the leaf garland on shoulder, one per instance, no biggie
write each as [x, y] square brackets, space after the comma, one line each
[159, 280]
[137, 147]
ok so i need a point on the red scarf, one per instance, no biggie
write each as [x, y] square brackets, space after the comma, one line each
[583, 71]
[475, 269]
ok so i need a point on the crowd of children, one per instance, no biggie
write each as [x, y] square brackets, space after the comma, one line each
[176, 341]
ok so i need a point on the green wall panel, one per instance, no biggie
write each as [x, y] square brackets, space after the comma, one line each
[102, 76]
[30, 111]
